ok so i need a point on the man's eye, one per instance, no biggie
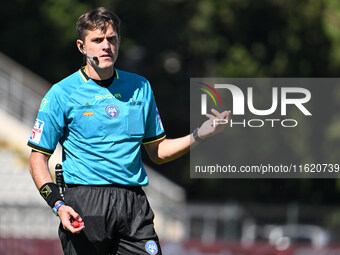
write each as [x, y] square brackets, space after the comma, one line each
[113, 39]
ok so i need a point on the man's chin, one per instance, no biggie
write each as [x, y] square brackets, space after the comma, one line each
[106, 65]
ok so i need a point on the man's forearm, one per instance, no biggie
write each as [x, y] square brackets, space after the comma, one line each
[170, 149]
[39, 169]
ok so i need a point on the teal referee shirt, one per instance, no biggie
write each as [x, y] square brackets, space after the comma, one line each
[100, 128]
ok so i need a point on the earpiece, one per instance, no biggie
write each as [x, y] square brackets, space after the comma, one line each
[92, 57]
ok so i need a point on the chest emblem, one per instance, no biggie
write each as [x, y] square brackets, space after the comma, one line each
[112, 110]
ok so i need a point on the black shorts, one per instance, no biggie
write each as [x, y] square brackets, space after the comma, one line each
[118, 220]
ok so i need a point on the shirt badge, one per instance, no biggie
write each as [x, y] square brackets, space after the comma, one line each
[112, 110]
[87, 114]
[37, 131]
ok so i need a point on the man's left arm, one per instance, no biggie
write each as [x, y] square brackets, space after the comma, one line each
[167, 150]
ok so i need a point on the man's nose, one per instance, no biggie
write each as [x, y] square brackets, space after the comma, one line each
[106, 44]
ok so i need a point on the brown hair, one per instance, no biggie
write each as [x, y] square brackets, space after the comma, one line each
[97, 18]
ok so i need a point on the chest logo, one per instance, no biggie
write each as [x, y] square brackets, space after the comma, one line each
[112, 110]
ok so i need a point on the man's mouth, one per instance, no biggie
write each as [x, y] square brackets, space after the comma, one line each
[106, 56]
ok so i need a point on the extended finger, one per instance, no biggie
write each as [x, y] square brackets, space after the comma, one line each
[210, 116]
[228, 115]
[217, 114]
[225, 115]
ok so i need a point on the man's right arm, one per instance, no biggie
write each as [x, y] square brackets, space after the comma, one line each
[39, 168]
[41, 175]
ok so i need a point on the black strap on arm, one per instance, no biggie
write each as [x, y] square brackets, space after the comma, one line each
[50, 192]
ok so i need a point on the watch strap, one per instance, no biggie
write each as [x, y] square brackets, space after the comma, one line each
[196, 137]
[57, 206]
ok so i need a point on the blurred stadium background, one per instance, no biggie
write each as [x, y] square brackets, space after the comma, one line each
[168, 42]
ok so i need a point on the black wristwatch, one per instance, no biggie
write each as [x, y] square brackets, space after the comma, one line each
[196, 137]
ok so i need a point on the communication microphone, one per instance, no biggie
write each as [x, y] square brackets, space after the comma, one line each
[94, 58]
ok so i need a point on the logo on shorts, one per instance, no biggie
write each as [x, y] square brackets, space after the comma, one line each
[151, 247]
[112, 110]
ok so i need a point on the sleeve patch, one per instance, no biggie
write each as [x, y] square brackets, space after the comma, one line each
[37, 131]
[159, 119]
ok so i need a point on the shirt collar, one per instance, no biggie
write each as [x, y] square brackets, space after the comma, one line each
[102, 83]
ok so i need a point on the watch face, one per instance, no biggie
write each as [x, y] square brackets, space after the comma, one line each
[55, 211]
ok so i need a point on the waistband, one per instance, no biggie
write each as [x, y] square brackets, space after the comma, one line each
[113, 185]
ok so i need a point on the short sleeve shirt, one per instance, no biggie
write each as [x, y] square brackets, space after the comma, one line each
[100, 129]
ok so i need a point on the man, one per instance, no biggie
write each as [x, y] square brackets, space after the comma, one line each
[101, 116]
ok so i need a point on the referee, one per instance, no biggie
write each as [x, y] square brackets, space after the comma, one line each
[101, 116]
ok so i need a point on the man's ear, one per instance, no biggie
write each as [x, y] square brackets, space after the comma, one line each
[80, 46]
